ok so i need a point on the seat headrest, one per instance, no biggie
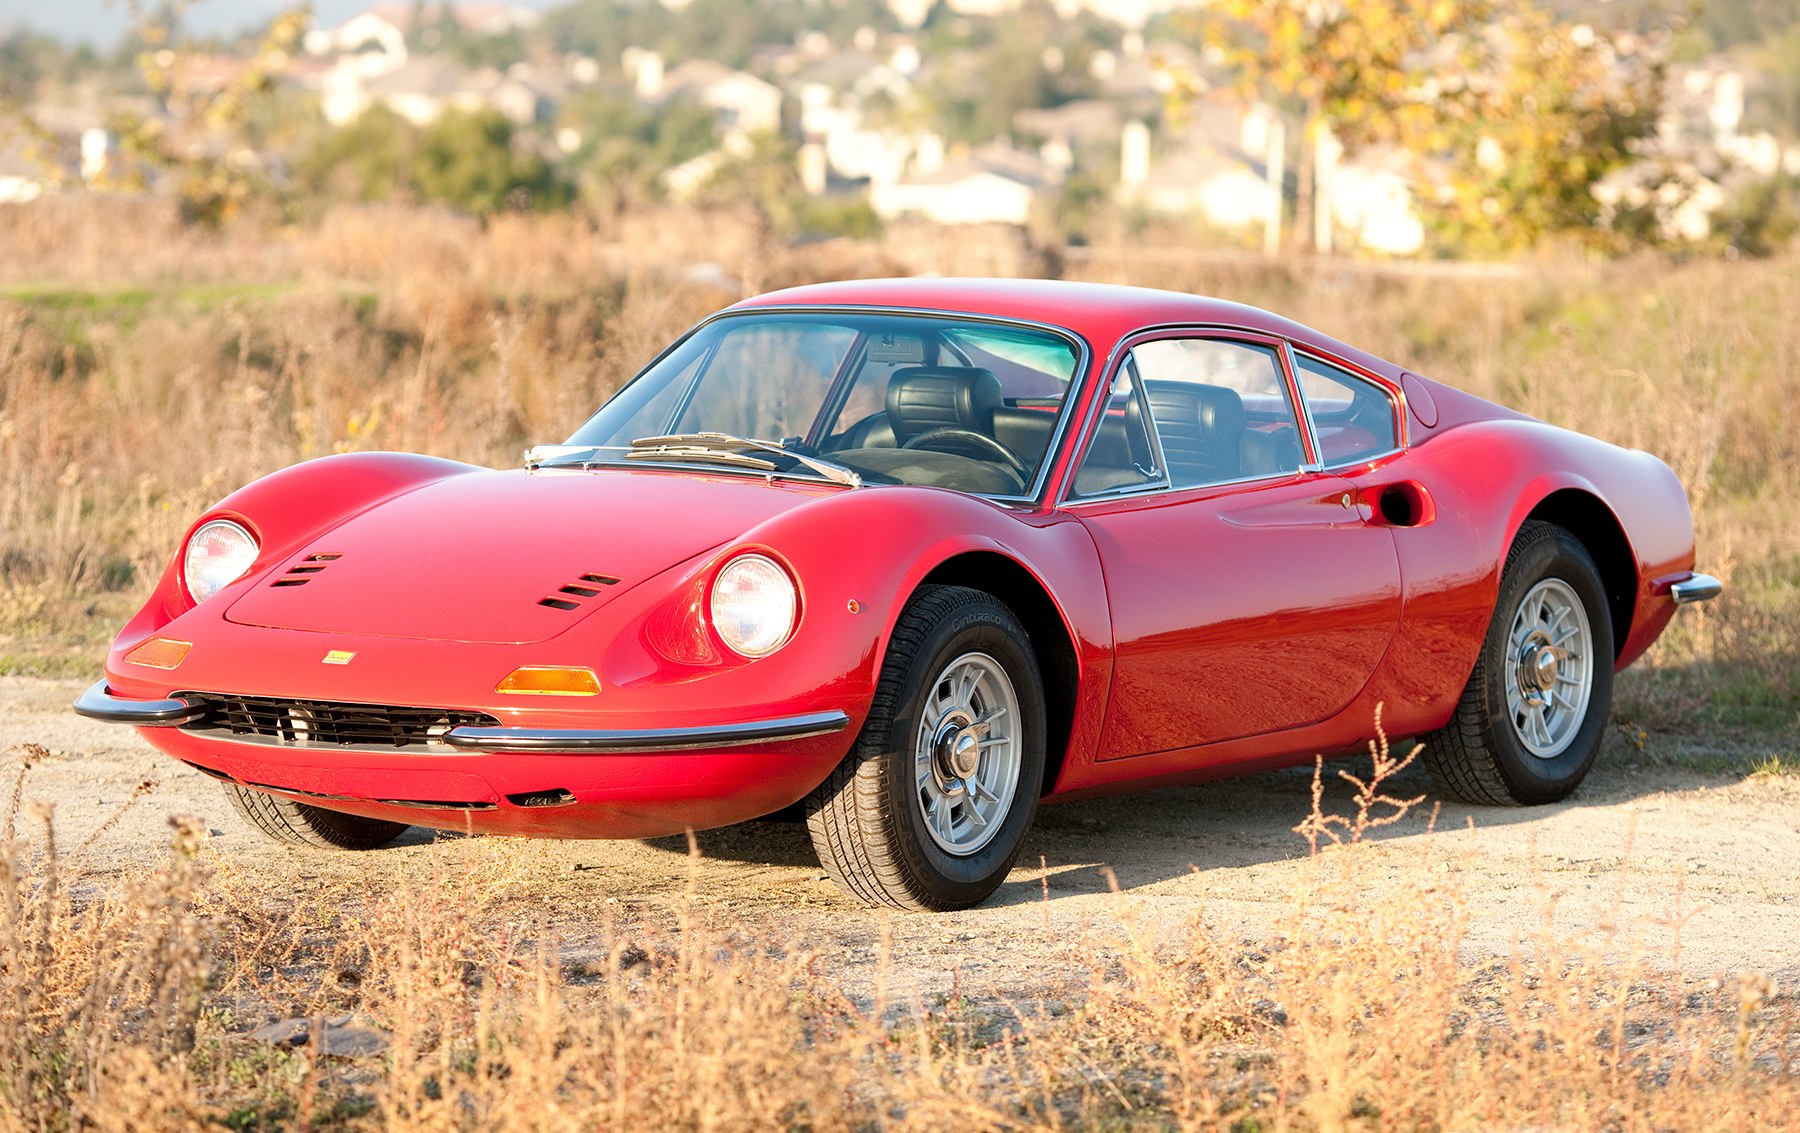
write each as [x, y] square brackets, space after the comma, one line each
[923, 398]
[1215, 409]
[1201, 427]
[1221, 410]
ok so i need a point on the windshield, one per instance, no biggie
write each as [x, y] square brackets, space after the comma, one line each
[896, 399]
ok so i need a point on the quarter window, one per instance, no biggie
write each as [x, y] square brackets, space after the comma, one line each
[1353, 418]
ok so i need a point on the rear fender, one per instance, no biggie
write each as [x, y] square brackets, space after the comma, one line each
[1489, 479]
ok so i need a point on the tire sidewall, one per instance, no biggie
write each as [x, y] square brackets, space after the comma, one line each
[982, 626]
[1532, 779]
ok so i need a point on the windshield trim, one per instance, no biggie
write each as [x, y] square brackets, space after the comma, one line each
[1077, 374]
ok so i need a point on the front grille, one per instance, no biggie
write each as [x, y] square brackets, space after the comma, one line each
[315, 723]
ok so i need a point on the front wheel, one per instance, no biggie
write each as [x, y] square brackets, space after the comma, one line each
[301, 825]
[1531, 719]
[930, 807]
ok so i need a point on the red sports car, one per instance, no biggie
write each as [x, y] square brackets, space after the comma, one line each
[917, 555]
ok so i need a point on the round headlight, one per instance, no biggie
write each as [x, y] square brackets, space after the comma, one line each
[753, 605]
[217, 556]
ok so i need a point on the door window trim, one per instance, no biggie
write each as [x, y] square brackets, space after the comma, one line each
[1122, 354]
[1395, 399]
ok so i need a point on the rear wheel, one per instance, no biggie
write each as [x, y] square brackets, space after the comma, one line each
[930, 807]
[1533, 714]
[301, 825]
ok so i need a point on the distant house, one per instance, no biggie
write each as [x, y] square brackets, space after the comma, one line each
[685, 181]
[1084, 122]
[375, 42]
[1226, 192]
[1372, 202]
[206, 74]
[1673, 195]
[494, 19]
[992, 184]
[42, 155]
[370, 44]
[23, 176]
[1215, 168]
[525, 96]
[743, 103]
[425, 88]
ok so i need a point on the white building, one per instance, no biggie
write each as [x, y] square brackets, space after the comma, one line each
[369, 45]
[992, 184]
[1370, 201]
[743, 103]
[425, 88]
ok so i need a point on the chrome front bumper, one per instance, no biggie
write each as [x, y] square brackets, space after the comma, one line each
[622, 741]
[99, 703]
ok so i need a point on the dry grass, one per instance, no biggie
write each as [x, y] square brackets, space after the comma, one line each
[148, 369]
[130, 1005]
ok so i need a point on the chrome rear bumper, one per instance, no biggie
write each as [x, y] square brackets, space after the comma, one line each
[1696, 588]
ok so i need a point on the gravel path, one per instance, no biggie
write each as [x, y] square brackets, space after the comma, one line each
[1646, 845]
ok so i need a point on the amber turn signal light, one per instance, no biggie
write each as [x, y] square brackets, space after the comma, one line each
[550, 680]
[159, 653]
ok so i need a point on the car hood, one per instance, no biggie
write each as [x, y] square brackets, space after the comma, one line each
[506, 557]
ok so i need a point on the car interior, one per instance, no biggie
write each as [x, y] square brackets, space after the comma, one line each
[950, 426]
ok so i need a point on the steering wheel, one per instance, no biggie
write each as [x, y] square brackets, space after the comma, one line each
[967, 442]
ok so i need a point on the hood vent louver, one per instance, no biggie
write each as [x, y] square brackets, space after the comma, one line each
[309, 566]
[572, 595]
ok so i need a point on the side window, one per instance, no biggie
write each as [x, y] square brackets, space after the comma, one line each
[1353, 417]
[1122, 455]
[1221, 410]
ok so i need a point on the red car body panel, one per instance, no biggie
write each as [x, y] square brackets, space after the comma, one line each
[1208, 632]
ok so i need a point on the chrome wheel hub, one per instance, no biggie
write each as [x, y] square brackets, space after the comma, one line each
[966, 756]
[1549, 668]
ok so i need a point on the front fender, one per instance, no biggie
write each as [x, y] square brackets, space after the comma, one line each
[283, 510]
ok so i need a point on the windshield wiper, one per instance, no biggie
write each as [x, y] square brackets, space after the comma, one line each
[727, 448]
[541, 456]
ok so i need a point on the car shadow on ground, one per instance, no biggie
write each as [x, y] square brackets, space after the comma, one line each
[1143, 839]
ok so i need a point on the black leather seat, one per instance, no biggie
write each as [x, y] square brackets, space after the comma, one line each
[1202, 431]
[924, 399]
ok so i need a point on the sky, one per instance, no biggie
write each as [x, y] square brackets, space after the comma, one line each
[103, 22]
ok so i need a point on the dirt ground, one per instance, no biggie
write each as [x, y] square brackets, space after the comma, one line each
[1676, 850]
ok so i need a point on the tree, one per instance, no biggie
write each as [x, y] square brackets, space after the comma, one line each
[211, 185]
[467, 160]
[367, 159]
[1511, 116]
[1553, 110]
[1354, 66]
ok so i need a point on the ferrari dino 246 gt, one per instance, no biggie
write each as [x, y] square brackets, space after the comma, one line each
[915, 555]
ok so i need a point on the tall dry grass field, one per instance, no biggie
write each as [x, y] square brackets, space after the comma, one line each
[150, 369]
[145, 370]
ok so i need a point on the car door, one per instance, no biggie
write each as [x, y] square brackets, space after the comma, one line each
[1247, 593]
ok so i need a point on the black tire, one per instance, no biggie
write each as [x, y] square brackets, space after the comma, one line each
[301, 825]
[1510, 741]
[869, 821]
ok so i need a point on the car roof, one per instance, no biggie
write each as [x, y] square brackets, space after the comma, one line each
[1102, 313]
